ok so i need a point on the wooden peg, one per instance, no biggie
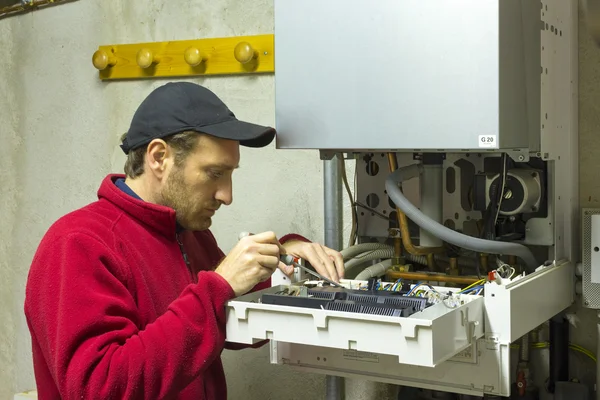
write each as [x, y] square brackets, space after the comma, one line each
[194, 57]
[145, 58]
[244, 52]
[102, 60]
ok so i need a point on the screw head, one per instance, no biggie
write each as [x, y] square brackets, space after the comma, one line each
[587, 303]
[521, 158]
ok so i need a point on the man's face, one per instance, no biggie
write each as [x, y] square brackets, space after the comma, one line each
[202, 183]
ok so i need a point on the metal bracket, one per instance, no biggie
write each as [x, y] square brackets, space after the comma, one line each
[518, 155]
[325, 155]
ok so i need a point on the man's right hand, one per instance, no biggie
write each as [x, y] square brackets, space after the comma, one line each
[251, 261]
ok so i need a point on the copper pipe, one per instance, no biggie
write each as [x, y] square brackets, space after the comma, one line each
[453, 269]
[403, 224]
[397, 249]
[484, 262]
[423, 276]
[431, 261]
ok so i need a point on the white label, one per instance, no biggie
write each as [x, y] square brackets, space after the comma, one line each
[361, 356]
[488, 141]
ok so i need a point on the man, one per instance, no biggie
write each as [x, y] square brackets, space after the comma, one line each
[125, 297]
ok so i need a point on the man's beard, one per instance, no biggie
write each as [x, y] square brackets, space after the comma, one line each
[177, 196]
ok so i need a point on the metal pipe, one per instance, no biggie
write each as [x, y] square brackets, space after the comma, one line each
[524, 349]
[332, 188]
[431, 201]
[332, 185]
[403, 224]
[423, 276]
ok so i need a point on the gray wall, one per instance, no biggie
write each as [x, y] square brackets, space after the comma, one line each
[59, 136]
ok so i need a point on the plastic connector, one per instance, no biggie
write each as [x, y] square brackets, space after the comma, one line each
[494, 276]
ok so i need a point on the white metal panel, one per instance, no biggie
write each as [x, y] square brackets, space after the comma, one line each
[515, 309]
[487, 371]
[426, 338]
[409, 74]
[559, 121]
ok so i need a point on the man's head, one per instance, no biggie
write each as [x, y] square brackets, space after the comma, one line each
[182, 148]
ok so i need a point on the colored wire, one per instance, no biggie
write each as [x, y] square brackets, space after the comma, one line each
[479, 282]
[572, 346]
[419, 285]
[473, 289]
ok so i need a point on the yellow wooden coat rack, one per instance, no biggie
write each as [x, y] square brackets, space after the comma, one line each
[215, 56]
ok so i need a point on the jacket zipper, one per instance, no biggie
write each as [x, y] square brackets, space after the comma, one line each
[185, 256]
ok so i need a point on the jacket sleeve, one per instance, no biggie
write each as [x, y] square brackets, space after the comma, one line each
[86, 321]
[263, 285]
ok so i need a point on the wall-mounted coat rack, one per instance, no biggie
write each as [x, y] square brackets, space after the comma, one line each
[215, 56]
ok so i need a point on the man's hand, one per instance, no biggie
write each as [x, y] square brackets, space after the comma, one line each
[326, 261]
[252, 260]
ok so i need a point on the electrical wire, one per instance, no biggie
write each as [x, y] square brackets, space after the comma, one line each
[477, 289]
[420, 285]
[351, 197]
[501, 195]
[478, 283]
[490, 216]
[502, 267]
[387, 218]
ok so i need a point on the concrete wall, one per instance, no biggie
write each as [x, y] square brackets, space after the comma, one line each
[59, 130]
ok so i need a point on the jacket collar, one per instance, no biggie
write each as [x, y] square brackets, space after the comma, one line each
[158, 218]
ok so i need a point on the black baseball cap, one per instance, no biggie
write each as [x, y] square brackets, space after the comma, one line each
[184, 106]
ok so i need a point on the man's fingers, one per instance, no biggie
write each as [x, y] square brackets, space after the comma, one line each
[268, 237]
[286, 269]
[338, 260]
[327, 264]
[270, 262]
[269, 250]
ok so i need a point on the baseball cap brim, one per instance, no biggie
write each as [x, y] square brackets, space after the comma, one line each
[249, 135]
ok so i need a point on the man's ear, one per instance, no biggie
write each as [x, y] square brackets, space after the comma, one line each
[158, 157]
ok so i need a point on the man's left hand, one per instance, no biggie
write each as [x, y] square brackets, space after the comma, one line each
[326, 261]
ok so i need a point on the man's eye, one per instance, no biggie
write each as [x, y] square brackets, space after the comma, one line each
[215, 174]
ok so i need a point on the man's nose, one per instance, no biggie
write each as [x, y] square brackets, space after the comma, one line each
[224, 195]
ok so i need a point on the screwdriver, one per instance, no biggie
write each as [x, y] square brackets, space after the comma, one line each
[288, 259]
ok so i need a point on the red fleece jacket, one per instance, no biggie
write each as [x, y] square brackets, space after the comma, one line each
[114, 311]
